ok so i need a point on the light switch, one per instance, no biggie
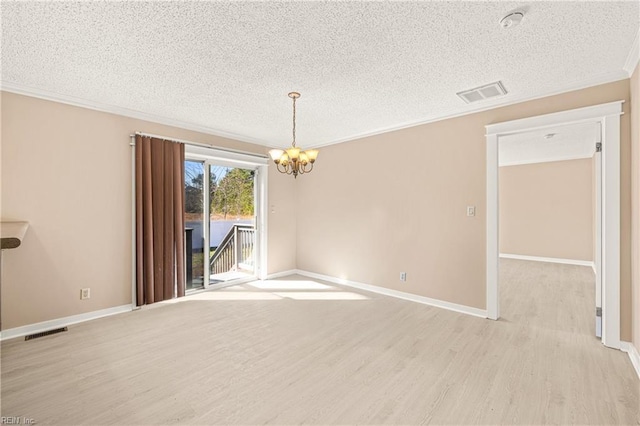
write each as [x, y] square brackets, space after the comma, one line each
[471, 210]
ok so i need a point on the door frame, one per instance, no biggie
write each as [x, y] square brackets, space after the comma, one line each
[608, 116]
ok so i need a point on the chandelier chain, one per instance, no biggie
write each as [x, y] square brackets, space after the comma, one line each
[294, 122]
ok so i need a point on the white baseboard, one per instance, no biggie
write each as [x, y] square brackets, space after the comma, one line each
[61, 322]
[549, 259]
[282, 274]
[398, 294]
[634, 355]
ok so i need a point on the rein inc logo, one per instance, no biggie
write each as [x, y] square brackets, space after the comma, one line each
[16, 420]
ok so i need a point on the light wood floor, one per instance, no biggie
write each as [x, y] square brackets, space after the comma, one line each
[307, 352]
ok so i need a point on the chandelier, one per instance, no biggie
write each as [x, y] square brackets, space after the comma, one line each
[293, 161]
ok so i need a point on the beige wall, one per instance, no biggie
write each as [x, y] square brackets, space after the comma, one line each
[635, 150]
[401, 207]
[281, 244]
[67, 170]
[546, 209]
[396, 202]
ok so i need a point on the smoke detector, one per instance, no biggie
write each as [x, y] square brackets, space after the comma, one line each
[512, 19]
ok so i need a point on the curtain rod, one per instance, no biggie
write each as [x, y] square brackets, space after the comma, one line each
[203, 145]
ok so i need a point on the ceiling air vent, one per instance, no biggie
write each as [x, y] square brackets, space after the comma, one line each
[481, 93]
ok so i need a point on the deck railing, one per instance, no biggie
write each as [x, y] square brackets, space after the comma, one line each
[235, 252]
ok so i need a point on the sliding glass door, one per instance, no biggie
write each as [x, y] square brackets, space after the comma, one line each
[232, 223]
[221, 217]
[195, 227]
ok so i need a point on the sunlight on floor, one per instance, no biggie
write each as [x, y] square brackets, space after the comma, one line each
[273, 290]
[232, 295]
[329, 295]
[289, 285]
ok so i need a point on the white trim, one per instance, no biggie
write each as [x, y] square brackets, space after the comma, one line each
[595, 271]
[398, 294]
[281, 274]
[562, 118]
[549, 259]
[598, 218]
[634, 54]
[134, 249]
[21, 89]
[610, 158]
[470, 109]
[608, 117]
[545, 160]
[224, 157]
[634, 355]
[262, 223]
[492, 298]
[61, 322]
[206, 224]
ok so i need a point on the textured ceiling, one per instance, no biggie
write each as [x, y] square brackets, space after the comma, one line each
[361, 67]
[568, 143]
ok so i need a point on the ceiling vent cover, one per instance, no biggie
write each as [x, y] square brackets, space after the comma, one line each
[481, 93]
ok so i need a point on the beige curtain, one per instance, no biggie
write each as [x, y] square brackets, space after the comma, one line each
[159, 220]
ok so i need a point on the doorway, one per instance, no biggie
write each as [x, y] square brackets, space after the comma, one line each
[548, 200]
[224, 220]
[607, 118]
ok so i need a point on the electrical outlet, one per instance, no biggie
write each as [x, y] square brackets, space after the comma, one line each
[85, 293]
[471, 211]
[403, 276]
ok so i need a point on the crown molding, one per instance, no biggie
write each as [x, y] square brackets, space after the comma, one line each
[467, 110]
[21, 89]
[596, 81]
[634, 55]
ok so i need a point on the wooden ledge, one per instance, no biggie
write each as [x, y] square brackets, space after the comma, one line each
[12, 234]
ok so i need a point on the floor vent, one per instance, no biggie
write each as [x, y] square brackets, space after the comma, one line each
[45, 333]
[481, 93]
